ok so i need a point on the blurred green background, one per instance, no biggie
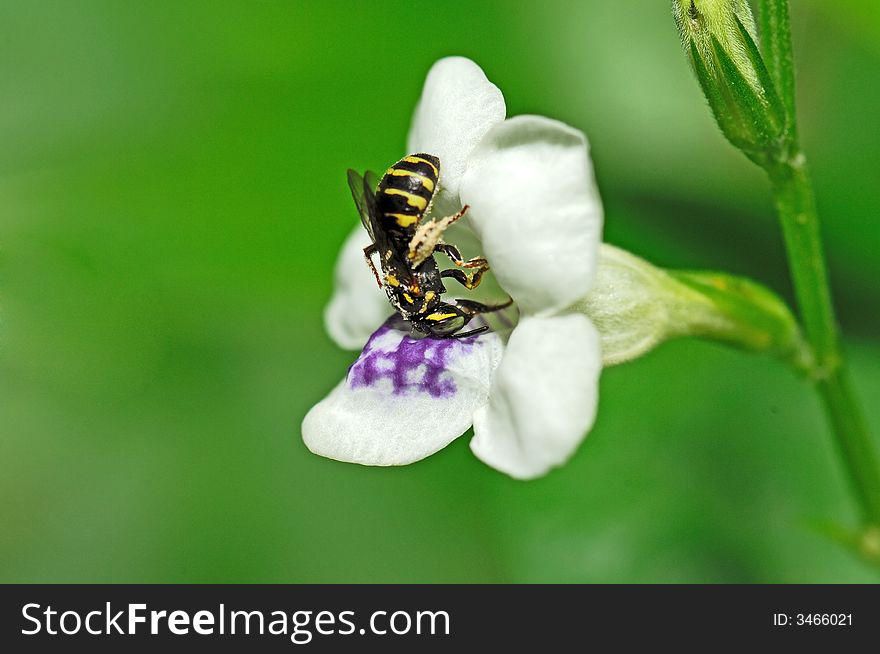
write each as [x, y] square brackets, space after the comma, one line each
[172, 198]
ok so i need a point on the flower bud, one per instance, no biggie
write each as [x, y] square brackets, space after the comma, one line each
[636, 306]
[719, 38]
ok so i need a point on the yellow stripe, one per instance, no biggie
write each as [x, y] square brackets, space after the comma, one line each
[404, 220]
[408, 298]
[427, 182]
[391, 280]
[430, 295]
[412, 199]
[412, 159]
[440, 316]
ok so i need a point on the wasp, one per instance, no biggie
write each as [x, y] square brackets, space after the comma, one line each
[391, 210]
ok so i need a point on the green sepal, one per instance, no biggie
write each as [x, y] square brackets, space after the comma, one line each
[776, 50]
[864, 542]
[749, 115]
[636, 306]
[754, 318]
[713, 94]
[777, 112]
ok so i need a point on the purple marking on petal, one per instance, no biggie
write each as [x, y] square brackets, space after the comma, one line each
[414, 364]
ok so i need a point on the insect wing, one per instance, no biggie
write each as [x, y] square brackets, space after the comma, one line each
[365, 202]
[374, 229]
[372, 180]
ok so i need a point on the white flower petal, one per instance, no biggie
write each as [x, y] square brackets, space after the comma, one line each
[535, 206]
[358, 305]
[404, 399]
[458, 106]
[543, 399]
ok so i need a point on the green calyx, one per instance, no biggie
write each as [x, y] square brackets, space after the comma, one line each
[745, 314]
[636, 306]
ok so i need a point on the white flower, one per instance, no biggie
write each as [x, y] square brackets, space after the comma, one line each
[531, 397]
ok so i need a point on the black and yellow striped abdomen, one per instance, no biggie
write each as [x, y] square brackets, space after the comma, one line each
[405, 193]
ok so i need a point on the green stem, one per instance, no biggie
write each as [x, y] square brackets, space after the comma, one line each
[796, 206]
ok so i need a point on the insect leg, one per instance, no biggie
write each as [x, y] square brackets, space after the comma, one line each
[448, 319]
[455, 256]
[471, 308]
[448, 220]
[369, 251]
[471, 281]
[429, 235]
[443, 322]
[471, 332]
